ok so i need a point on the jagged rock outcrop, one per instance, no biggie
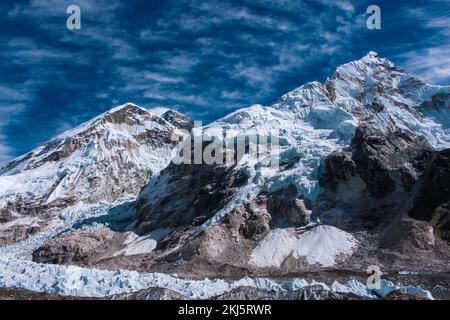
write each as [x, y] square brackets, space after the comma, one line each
[185, 195]
[388, 162]
[432, 202]
[74, 248]
[401, 179]
[377, 175]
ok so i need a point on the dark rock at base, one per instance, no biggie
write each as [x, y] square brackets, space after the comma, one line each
[73, 247]
[433, 201]
[408, 232]
[339, 167]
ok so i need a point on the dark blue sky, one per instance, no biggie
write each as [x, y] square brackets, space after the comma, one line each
[204, 58]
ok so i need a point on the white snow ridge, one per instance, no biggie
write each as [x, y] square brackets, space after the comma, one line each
[321, 245]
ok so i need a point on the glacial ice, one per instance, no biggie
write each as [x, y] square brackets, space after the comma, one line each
[18, 272]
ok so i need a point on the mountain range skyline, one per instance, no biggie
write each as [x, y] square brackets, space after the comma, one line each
[202, 59]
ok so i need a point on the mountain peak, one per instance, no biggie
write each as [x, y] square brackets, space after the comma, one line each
[129, 106]
[125, 143]
[126, 113]
[369, 63]
[178, 119]
[372, 54]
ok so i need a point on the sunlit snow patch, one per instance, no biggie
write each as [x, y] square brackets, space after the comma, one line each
[144, 244]
[321, 245]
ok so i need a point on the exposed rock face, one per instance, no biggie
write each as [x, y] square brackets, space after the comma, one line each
[387, 162]
[18, 232]
[401, 175]
[200, 193]
[433, 200]
[186, 195]
[379, 166]
[286, 205]
[441, 220]
[251, 220]
[408, 232]
[76, 247]
[24, 217]
[339, 168]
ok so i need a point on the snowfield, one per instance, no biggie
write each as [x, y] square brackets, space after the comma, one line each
[18, 272]
[321, 245]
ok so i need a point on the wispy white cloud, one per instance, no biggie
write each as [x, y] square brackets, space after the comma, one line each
[12, 94]
[10, 112]
[162, 77]
[431, 64]
[429, 58]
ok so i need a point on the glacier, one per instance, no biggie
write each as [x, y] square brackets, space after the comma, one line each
[19, 272]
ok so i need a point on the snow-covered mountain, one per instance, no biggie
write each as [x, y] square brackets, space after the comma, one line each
[104, 160]
[354, 155]
[363, 179]
[312, 122]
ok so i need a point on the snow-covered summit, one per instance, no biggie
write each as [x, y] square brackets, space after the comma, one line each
[376, 90]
